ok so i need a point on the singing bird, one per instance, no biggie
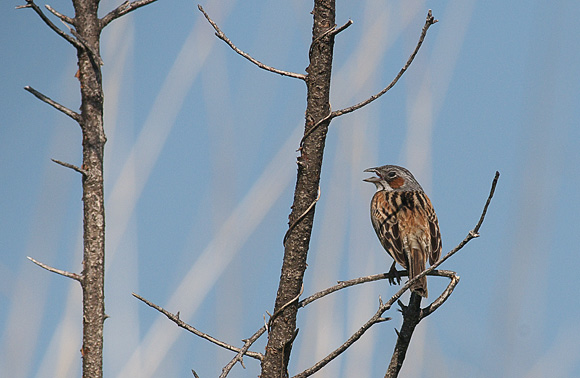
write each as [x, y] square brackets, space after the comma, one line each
[405, 222]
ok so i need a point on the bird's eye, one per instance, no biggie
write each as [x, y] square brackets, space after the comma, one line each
[391, 175]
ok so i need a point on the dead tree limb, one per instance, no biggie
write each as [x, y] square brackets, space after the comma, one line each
[430, 20]
[61, 108]
[220, 34]
[123, 9]
[337, 113]
[64, 273]
[175, 318]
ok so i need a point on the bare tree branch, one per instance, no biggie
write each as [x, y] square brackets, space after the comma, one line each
[74, 115]
[239, 357]
[224, 38]
[375, 319]
[444, 296]
[123, 9]
[430, 21]
[343, 27]
[71, 166]
[472, 234]
[74, 276]
[337, 113]
[491, 192]
[343, 284]
[62, 17]
[36, 8]
[332, 31]
[360, 280]
[175, 318]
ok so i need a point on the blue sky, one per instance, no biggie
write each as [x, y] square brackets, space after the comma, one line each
[200, 170]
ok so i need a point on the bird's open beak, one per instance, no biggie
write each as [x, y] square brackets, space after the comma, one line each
[373, 179]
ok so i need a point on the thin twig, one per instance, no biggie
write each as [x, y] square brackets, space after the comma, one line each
[123, 9]
[36, 8]
[224, 38]
[430, 21]
[492, 191]
[299, 219]
[239, 357]
[343, 27]
[71, 166]
[74, 115]
[74, 276]
[329, 32]
[341, 285]
[62, 17]
[175, 318]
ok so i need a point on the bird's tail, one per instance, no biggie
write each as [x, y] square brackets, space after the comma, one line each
[416, 266]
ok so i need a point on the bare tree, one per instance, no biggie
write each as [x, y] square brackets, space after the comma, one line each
[84, 31]
[281, 326]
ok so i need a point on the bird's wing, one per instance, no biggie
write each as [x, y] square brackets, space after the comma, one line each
[386, 224]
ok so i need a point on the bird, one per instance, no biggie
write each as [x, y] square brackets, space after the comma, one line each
[405, 222]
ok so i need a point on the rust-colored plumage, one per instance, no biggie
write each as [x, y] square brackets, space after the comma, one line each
[405, 221]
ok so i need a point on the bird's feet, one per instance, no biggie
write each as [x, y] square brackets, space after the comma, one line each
[393, 276]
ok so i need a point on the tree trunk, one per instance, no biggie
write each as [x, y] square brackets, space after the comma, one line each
[88, 27]
[411, 317]
[283, 325]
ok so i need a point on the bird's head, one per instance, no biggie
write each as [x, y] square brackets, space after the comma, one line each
[393, 177]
